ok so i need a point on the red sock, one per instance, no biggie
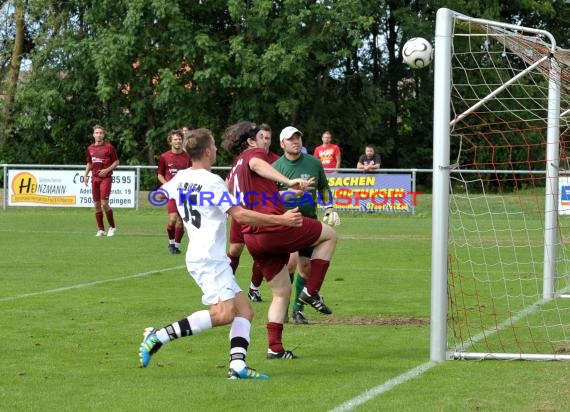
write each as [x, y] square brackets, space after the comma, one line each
[274, 334]
[318, 271]
[178, 234]
[110, 218]
[234, 262]
[256, 274]
[170, 231]
[99, 218]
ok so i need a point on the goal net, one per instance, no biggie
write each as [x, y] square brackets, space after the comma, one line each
[501, 240]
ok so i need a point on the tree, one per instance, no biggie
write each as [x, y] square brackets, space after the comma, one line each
[8, 92]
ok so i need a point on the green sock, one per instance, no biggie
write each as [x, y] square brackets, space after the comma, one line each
[299, 285]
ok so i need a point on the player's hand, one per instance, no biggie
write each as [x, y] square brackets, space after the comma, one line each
[302, 184]
[103, 173]
[331, 217]
[293, 218]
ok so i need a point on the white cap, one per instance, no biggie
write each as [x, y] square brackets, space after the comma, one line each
[288, 132]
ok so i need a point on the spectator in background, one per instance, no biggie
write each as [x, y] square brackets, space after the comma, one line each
[102, 159]
[369, 161]
[328, 153]
[170, 163]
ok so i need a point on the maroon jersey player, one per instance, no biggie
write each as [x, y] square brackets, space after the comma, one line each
[102, 159]
[169, 163]
[254, 179]
[262, 140]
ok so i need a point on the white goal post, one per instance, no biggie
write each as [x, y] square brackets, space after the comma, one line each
[500, 248]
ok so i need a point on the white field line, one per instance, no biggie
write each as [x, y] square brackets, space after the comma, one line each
[385, 387]
[89, 284]
[417, 371]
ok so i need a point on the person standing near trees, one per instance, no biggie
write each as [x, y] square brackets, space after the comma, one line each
[169, 163]
[328, 153]
[102, 159]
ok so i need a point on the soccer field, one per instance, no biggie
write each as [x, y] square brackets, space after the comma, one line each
[74, 308]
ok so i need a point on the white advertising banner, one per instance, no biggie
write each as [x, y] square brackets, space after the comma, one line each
[564, 198]
[65, 188]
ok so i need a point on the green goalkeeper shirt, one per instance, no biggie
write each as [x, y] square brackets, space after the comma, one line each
[305, 167]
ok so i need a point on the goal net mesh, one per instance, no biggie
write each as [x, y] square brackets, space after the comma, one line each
[498, 137]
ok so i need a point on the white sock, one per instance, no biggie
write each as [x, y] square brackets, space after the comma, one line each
[240, 329]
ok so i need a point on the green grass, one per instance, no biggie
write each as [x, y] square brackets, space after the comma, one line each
[73, 308]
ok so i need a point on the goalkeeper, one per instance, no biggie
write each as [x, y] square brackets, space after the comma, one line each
[295, 164]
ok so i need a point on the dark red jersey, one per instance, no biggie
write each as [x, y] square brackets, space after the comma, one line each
[253, 191]
[170, 163]
[273, 157]
[101, 156]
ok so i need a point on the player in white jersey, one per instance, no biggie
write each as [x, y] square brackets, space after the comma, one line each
[204, 202]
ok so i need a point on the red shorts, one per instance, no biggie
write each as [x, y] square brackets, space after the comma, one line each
[171, 206]
[271, 249]
[101, 188]
[235, 232]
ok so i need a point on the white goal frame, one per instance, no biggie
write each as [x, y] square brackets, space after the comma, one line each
[443, 166]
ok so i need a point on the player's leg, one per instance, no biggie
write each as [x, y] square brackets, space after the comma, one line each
[304, 269]
[256, 278]
[226, 299]
[239, 341]
[96, 194]
[171, 224]
[236, 245]
[323, 250]
[178, 233]
[280, 286]
[105, 189]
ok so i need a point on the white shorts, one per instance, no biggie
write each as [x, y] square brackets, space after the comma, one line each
[216, 279]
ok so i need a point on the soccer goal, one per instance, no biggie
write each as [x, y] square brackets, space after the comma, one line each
[501, 192]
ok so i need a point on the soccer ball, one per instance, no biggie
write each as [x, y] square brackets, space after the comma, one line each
[417, 52]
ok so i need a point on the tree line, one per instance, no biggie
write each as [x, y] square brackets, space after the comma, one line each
[144, 67]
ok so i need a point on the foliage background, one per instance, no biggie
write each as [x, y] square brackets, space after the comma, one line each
[144, 67]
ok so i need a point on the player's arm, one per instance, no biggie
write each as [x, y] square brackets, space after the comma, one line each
[331, 216]
[161, 170]
[360, 165]
[250, 217]
[264, 169]
[108, 170]
[88, 168]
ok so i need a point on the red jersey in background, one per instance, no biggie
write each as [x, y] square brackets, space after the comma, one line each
[101, 156]
[170, 163]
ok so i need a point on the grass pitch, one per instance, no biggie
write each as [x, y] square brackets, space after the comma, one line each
[73, 308]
